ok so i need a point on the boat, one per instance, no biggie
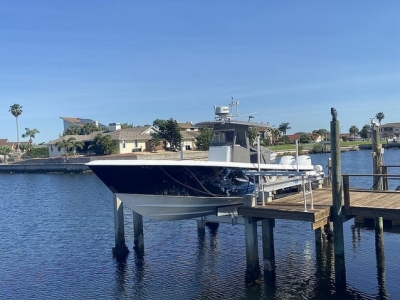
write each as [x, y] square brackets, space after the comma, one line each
[185, 189]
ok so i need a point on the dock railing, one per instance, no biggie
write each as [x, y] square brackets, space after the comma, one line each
[291, 179]
[384, 178]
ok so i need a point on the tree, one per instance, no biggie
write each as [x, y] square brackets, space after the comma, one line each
[63, 144]
[380, 116]
[30, 133]
[5, 151]
[284, 139]
[169, 130]
[103, 144]
[155, 141]
[304, 138]
[88, 128]
[284, 127]
[160, 124]
[365, 131]
[72, 130]
[322, 132]
[16, 110]
[74, 144]
[354, 131]
[252, 135]
[275, 133]
[204, 139]
[126, 125]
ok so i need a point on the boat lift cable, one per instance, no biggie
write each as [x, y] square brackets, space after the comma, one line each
[187, 186]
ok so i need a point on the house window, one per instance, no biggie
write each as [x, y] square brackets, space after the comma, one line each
[123, 144]
[51, 148]
[136, 143]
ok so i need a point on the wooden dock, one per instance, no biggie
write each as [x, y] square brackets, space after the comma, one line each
[366, 203]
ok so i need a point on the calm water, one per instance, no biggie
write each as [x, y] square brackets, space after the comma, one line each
[56, 235]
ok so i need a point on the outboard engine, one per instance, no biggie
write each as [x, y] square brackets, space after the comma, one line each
[287, 160]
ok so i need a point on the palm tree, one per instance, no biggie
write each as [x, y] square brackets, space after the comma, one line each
[275, 133]
[353, 131]
[252, 135]
[284, 127]
[16, 110]
[31, 134]
[64, 144]
[74, 144]
[380, 116]
[5, 150]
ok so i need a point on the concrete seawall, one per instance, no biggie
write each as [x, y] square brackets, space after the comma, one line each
[44, 168]
[77, 164]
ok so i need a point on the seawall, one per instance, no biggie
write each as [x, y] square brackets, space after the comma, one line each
[77, 164]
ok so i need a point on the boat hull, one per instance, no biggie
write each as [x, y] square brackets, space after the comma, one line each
[171, 208]
[174, 190]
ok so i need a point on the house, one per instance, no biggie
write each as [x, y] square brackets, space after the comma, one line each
[390, 130]
[5, 142]
[188, 126]
[127, 140]
[13, 145]
[68, 122]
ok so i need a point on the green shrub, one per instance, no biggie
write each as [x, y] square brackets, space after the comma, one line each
[317, 148]
[39, 152]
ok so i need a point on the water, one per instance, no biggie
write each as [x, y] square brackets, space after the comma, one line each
[56, 235]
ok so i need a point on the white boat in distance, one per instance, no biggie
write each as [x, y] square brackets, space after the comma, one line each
[184, 189]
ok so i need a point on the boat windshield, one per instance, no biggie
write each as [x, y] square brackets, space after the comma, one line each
[227, 137]
[223, 137]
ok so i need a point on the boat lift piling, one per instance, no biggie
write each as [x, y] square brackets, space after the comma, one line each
[120, 250]
[138, 239]
[250, 227]
[337, 214]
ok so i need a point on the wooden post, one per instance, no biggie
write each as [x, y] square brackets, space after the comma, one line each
[377, 163]
[138, 239]
[340, 266]
[318, 234]
[120, 249]
[250, 227]
[376, 157]
[346, 193]
[385, 179]
[267, 226]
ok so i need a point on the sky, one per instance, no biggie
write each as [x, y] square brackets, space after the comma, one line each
[137, 61]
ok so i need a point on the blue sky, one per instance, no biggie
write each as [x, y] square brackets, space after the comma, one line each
[136, 61]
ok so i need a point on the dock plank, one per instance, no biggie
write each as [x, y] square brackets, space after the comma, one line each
[368, 203]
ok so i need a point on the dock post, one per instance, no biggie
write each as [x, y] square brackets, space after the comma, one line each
[268, 244]
[120, 250]
[201, 225]
[138, 239]
[377, 185]
[338, 238]
[250, 227]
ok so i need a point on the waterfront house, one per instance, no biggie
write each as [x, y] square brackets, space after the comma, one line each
[127, 140]
[390, 130]
[187, 127]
